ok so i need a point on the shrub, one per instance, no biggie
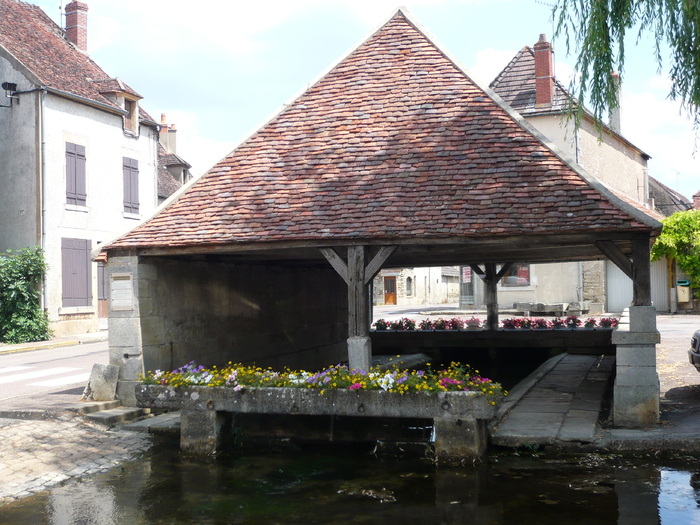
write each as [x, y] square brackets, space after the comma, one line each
[21, 317]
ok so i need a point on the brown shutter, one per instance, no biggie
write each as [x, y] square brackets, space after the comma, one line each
[131, 185]
[76, 183]
[76, 271]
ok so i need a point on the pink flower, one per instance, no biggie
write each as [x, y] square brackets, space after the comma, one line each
[355, 386]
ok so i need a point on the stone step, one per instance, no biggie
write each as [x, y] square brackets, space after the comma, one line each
[168, 423]
[114, 416]
[94, 406]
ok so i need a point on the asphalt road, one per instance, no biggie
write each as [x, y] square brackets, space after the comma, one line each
[54, 376]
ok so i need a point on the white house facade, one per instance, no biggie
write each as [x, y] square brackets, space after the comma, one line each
[78, 158]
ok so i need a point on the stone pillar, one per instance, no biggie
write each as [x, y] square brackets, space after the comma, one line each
[200, 430]
[134, 330]
[360, 353]
[459, 439]
[636, 392]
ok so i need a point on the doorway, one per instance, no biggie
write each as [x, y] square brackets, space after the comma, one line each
[389, 290]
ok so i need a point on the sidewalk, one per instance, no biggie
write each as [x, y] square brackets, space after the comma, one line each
[56, 342]
[36, 455]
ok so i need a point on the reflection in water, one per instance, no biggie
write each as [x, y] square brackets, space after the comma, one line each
[352, 486]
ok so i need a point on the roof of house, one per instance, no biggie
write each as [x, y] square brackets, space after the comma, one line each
[37, 43]
[666, 200]
[167, 184]
[395, 144]
[515, 84]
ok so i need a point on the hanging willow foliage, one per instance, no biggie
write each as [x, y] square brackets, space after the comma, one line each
[596, 30]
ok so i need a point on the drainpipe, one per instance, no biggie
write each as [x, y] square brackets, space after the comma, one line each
[41, 180]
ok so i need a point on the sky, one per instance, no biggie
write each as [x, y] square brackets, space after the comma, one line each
[219, 69]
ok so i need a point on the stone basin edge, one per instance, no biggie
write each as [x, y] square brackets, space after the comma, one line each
[307, 401]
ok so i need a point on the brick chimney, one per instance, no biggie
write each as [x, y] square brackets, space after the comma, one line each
[544, 72]
[696, 201]
[76, 24]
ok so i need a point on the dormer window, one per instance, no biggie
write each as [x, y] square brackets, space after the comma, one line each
[131, 119]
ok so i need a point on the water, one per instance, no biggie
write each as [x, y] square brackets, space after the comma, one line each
[352, 486]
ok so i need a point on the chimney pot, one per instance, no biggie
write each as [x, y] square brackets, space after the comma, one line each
[162, 118]
[76, 24]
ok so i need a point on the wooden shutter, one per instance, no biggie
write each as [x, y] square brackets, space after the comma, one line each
[102, 288]
[76, 270]
[131, 185]
[76, 178]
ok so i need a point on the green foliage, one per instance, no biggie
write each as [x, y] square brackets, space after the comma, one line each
[680, 240]
[597, 29]
[21, 317]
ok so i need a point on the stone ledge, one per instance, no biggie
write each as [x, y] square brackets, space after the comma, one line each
[307, 401]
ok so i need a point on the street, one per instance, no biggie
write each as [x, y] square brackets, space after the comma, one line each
[56, 375]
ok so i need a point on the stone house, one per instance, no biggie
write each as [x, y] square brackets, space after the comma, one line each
[528, 84]
[78, 157]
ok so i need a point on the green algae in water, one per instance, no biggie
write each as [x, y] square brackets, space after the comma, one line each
[349, 485]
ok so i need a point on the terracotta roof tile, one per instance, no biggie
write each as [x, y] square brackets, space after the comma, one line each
[395, 142]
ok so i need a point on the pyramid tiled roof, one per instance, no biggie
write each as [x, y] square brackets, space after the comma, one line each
[33, 39]
[395, 143]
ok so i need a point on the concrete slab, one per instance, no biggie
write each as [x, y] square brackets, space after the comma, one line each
[562, 406]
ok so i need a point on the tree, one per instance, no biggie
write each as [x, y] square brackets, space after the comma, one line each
[598, 29]
[680, 240]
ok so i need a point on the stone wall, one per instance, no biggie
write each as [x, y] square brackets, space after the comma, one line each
[215, 313]
[593, 275]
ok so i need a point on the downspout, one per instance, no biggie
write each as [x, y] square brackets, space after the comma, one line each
[41, 179]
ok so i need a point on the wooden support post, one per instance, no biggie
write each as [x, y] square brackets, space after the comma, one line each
[641, 272]
[357, 292]
[358, 277]
[491, 278]
[359, 343]
[491, 297]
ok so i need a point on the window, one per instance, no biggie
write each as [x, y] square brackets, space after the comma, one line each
[131, 185]
[76, 270]
[76, 188]
[409, 286]
[131, 121]
[517, 275]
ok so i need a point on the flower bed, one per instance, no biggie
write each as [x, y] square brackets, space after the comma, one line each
[519, 323]
[454, 378]
[457, 400]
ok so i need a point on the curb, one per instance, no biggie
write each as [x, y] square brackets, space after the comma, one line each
[48, 345]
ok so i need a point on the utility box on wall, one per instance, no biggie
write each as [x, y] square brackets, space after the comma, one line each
[683, 288]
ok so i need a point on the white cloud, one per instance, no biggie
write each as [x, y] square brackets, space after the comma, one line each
[656, 125]
[200, 151]
[489, 63]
